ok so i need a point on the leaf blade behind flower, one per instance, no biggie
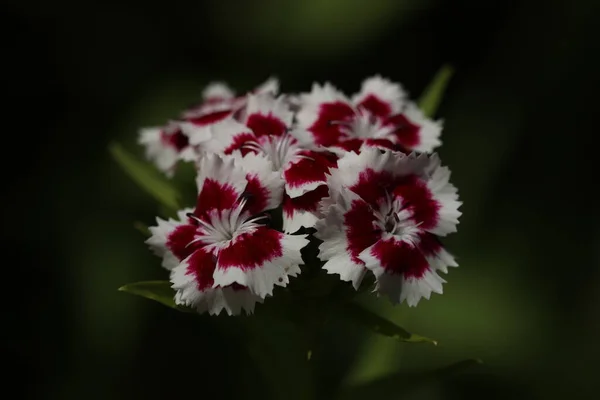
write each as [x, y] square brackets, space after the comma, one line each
[433, 94]
[146, 176]
[159, 291]
[383, 326]
[405, 382]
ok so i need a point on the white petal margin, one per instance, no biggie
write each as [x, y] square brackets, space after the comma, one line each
[259, 166]
[383, 89]
[446, 195]
[197, 134]
[262, 279]
[217, 90]
[211, 300]
[160, 234]
[441, 260]
[298, 219]
[430, 131]
[163, 156]
[351, 165]
[399, 288]
[334, 249]
[271, 85]
[326, 93]
[310, 103]
[305, 187]
[268, 105]
[220, 169]
[217, 137]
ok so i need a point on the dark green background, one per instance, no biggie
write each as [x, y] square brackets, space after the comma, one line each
[520, 136]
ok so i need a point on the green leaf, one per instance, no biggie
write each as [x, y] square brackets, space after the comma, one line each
[403, 383]
[160, 291]
[382, 326]
[146, 176]
[434, 92]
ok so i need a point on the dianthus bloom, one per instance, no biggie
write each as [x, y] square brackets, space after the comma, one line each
[266, 129]
[385, 213]
[166, 145]
[354, 175]
[221, 254]
[379, 116]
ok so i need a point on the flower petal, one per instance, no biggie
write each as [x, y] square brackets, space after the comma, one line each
[260, 259]
[220, 184]
[271, 85]
[193, 281]
[321, 112]
[224, 137]
[337, 248]
[265, 186]
[380, 96]
[415, 131]
[302, 211]
[438, 258]
[160, 149]
[267, 115]
[401, 270]
[446, 196]
[308, 171]
[169, 239]
[217, 91]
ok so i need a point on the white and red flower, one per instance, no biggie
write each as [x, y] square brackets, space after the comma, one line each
[266, 129]
[220, 254]
[385, 212]
[166, 145]
[378, 116]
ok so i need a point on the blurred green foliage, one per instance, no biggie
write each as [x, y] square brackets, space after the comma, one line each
[520, 131]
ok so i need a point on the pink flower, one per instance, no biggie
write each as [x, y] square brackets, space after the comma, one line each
[378, 116]
[266, 129]
[221, 254]
[384, 214]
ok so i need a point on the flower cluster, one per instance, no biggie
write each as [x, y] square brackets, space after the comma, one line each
[354, 174]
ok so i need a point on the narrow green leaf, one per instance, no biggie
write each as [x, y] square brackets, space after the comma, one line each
[146, 176]
[382, 326]
[403, 383]
[159, 291]
[434, 92]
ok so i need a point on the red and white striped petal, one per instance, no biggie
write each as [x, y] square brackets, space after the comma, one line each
[438, 257]
[308, 171]
[220, 184]
[345, 230]
[169, 239]
[401, 270]
[414, 131]
[264, 190]
[365, 170]
[266, 115]
[323, 113]
[259, 259]
[161, 154]
[380, 96]
[445, 195]
[193, 281]
[303, 211]
[197, 127]
[224, 137]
